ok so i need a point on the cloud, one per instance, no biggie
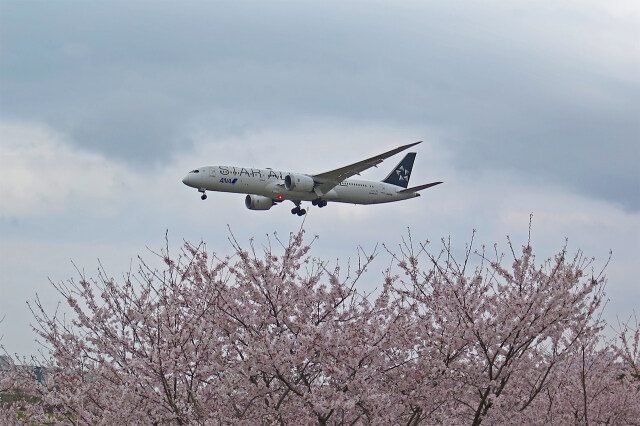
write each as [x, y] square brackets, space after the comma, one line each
[548, 90]
[42, 173]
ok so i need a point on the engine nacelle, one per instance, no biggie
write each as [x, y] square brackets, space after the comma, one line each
[301, 183]
[258, 202]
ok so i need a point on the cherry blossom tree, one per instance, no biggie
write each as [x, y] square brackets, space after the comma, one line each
[8, 413]
[7, 378]
[275, 335]
[242, 338]
[16, 405]
[6, 381]
[492, 337]
[596, 385]
[8, 373]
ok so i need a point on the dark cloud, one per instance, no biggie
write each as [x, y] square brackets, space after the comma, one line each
[524, 89]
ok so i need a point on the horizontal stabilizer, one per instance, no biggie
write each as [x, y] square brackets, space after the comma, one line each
[419, 187]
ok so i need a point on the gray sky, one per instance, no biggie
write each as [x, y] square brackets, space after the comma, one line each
[524, 107]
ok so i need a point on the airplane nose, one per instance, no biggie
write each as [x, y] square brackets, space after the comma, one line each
[186, 180]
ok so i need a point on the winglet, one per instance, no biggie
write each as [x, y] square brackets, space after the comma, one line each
[399, 149]
[391, 153]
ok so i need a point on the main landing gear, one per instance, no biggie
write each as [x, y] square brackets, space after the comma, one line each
[204, 196]
[297, 210]
[319, 202]
[301, 212]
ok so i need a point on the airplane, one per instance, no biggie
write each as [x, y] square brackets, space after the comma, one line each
[266, 187]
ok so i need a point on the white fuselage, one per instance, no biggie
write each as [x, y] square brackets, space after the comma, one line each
[270, 183]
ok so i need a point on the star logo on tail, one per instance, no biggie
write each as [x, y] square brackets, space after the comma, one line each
[403, 174]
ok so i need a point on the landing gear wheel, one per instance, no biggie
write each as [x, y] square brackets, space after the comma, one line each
[302, 212]
[204, 196]
[319, 202]
[295, 210]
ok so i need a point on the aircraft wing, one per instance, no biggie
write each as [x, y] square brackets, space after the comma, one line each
[326, 181]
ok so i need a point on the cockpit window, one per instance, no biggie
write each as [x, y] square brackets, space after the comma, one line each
[195, 171]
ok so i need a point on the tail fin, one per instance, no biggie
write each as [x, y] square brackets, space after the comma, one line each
[401, 173]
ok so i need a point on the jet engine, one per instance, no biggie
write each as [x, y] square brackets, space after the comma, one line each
[300, 183]
[258, 202]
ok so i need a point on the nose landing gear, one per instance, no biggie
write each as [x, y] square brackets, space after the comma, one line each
[204, 196]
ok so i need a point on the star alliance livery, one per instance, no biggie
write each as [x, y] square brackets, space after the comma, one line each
[266, 187]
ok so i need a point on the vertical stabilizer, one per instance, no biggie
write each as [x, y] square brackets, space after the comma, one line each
[402, 172]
